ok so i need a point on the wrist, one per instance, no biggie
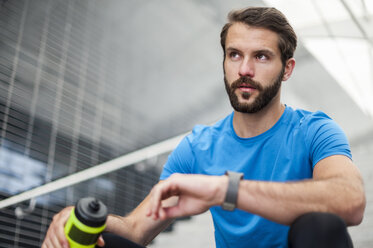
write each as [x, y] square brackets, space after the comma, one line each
[223, 186]
[113, 222]
[231, 196]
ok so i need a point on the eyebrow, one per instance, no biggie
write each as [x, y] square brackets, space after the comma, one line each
[232, 49]
[265, 51]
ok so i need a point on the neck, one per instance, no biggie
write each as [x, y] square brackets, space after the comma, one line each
[250, 125]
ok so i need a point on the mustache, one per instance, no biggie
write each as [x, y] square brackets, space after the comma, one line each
[246, 80]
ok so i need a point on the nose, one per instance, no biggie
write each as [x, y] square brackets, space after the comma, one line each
[246, 68]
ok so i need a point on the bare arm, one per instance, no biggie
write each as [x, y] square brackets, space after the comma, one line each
[135, 226]
[336, 187]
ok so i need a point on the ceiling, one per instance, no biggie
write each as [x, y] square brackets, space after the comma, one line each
[181, 52]
[338, 34]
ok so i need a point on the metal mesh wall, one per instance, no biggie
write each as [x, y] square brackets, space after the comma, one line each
[121, 191]
[65, 105]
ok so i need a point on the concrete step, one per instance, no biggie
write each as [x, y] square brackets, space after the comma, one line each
[197, 232]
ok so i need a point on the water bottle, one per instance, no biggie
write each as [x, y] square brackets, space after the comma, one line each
[86, 222]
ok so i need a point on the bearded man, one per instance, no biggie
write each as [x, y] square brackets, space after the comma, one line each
[271, 175]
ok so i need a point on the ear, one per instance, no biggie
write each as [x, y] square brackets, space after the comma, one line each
[289, 66]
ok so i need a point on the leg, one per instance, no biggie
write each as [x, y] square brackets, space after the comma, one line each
[320, 230]
[115, 241]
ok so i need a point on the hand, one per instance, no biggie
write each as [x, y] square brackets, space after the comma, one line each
[196, 193]
[55, 237]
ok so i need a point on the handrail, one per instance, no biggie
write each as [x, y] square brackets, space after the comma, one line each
[95, 171]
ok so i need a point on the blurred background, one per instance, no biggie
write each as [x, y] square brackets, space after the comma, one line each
[85, 82]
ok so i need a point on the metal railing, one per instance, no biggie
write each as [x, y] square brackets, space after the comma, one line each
[95, 171]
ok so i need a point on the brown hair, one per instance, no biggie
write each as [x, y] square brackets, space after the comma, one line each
[264, 17]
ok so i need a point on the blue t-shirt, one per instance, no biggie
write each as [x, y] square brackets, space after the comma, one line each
[288, 151]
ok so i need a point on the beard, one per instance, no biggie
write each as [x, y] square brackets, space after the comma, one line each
[266, 94]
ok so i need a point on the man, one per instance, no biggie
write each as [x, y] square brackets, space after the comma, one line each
[286, 167]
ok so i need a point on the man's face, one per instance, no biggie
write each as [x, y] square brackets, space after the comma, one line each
[253, 70]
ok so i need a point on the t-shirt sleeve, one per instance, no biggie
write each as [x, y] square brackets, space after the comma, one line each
[179, 161]
[325, 138]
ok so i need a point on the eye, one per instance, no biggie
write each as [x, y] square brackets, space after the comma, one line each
[262, 57]
[234, 55]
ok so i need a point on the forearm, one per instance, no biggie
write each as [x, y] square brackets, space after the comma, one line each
[283, 202]
[121, 226]
[140, 233]
[336, 187]
[136, 226]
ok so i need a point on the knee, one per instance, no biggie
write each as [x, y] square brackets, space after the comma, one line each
[116, 241]
[322, 222]
[318, 227]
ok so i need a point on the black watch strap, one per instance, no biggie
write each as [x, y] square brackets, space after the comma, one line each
[234, 179]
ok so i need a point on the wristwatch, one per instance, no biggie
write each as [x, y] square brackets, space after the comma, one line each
[234, 179]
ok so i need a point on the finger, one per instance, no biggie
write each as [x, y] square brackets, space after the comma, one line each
[160, 192]
[155, 202]
[163, 193]
[52, 242]
[50, 239]
[56, 243]
[162, 214]
[101, 241]
[45, 244]
[149, 211]
[162, 207]
[56, 236]
[171, 212]
[60, 232]
[178, 210]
